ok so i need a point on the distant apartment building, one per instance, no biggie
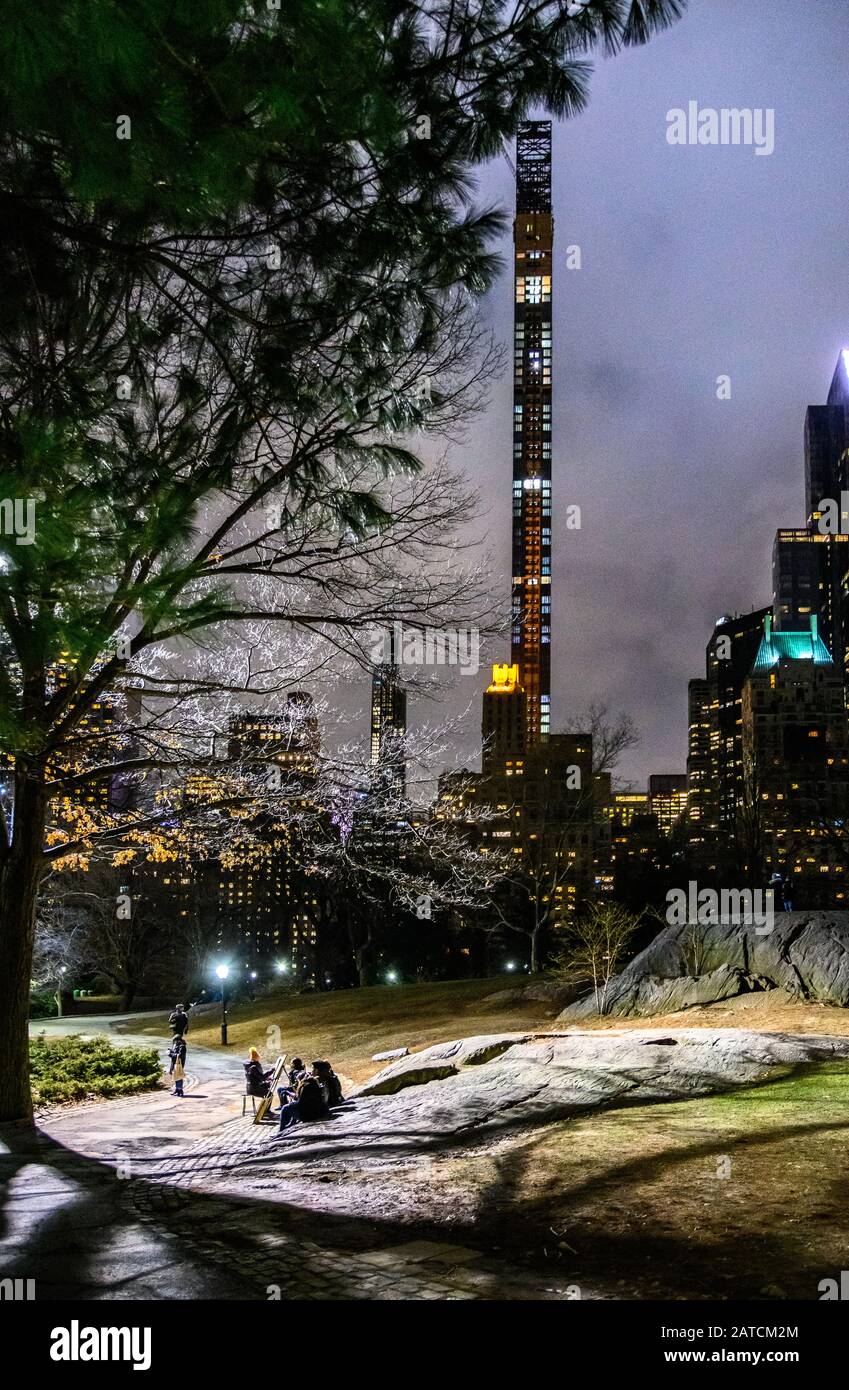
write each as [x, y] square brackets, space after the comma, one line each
[715, 757]
[667, 799]
[796, 753]
[789, 657]
[503, 722]
[811, 562]
[538, 808]
[263, 902]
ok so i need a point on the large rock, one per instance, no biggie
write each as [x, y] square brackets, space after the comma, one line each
[439, 1061]
[538, 991]
[437, 1104]
[496, 1085]
[805, 954]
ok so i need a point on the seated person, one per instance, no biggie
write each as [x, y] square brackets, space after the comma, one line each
[329, 1082]
[308, 1103]
[257, 1080]
[295, 1073]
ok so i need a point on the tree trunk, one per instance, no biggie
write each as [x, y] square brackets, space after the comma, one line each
[535, 950]
[360, 949]
[20, 874]
[362, 972]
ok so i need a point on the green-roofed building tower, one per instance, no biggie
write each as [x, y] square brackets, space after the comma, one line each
[795, 743]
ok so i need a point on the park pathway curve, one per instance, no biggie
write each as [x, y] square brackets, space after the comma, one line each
[112, 1200]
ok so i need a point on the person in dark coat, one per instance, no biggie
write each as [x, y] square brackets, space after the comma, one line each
[295, 1073]
[257, 1079]
[308, 1103]
[330, 1084]
[179, 1020]
[177, 1054]
[776, 883]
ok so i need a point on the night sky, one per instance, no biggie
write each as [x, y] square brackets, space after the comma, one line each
[697, 261]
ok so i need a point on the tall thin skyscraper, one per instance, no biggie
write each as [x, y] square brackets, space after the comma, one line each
[533, 232]
[389, 722]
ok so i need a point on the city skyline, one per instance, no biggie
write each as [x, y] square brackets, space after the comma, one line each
[680, 493]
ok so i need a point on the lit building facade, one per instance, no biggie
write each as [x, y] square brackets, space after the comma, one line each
[265, 903]
[810, 563]
[667, 799]
[537, 790]
[539, 808]
[715, 757]
[503, 725]
[389, 723]
[533, 235]
[625, 806]
[796, 750]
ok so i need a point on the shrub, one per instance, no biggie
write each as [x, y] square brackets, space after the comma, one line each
[42, 1004]
[74, 1068]
[595, 944]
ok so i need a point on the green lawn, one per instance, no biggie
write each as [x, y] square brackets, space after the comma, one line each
[739, 1195]
[348, 1026]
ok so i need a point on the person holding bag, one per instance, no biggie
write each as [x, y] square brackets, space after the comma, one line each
[177, 1054]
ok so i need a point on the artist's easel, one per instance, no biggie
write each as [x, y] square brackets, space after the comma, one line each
[267, 1101]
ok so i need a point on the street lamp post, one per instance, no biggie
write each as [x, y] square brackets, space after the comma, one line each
[222, 971]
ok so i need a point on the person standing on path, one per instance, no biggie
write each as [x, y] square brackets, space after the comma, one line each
[177, 1053]
[179, 1020]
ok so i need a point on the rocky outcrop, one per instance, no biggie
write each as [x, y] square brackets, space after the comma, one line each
[805, 954]
[538, 991]
[439, 1061]
[491, 1086]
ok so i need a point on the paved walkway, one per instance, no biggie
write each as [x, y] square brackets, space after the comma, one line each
[134, 1199]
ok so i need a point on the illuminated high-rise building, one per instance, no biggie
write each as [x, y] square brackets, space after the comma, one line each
[537, 787]
[389, 722]
[759, 664]
[810, 563]
[715, 758]
[796, 747]
[503, 725]
[668, 799]
[533, 232]
[264, 902]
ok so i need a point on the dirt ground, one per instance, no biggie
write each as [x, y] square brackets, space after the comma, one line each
[772, 1011]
